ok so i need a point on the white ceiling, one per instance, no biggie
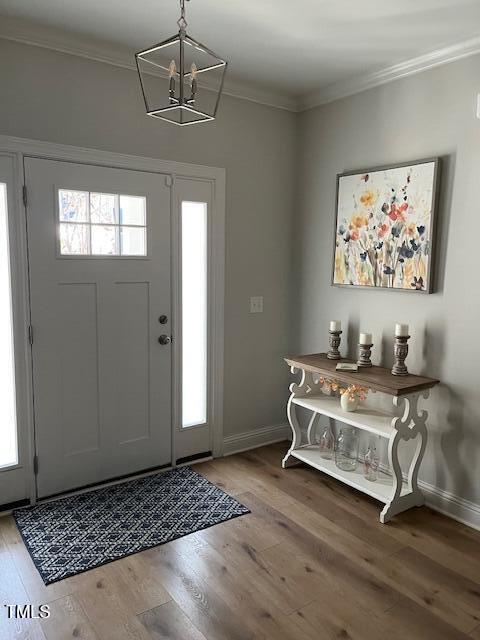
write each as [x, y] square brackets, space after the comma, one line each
[277, 45]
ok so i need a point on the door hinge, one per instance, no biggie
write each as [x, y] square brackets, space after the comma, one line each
[30, 334]
[35, 464]
[24, 195]
[169, 181]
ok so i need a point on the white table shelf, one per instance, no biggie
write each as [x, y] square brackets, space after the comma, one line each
[381, 489]
[377, 422]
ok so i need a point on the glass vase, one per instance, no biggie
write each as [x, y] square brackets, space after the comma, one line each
[346, 449]
[326, 443]
[370, 464]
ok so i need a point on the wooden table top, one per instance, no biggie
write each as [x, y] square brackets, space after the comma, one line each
[376, 378]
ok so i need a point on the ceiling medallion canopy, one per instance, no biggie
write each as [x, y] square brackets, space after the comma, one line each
[181, 79]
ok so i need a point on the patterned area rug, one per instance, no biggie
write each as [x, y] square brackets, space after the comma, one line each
[77, 533]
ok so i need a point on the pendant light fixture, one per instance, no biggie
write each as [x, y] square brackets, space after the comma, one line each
[181, 79]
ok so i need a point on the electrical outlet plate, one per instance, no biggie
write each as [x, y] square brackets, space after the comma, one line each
[256, 304]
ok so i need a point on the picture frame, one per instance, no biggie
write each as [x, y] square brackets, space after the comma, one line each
[385, 225]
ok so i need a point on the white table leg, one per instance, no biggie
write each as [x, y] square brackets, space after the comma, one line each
[288, 460]
[409, 425]
[303, 388]
[312, 425]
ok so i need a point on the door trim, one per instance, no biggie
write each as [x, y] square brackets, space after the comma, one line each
[20, 148]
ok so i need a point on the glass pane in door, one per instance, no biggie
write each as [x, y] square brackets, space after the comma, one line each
[194, 313]
[8, 422]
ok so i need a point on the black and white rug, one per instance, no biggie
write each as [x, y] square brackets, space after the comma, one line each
[77, 533]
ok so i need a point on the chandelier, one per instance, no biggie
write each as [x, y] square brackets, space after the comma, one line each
[191, 78]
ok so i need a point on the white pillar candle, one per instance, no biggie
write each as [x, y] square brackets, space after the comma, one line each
[335, 325]
[366, 338]
[401, 329]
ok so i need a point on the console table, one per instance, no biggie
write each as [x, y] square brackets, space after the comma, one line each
[405, 422]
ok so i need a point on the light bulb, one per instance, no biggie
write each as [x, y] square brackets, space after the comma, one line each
[193, 81]
[172, 70]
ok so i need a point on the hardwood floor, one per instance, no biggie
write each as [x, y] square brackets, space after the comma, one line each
[311, 562]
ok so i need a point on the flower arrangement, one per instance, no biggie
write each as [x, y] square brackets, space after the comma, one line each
[350, 395]
[330, 384]
[354, 392]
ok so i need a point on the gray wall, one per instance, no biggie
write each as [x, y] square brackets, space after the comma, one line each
[61, 98]
[429, 114]
[70, 100]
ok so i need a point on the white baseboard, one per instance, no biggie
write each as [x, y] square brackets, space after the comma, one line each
[253, 439]
[448, 503]
[451, 505]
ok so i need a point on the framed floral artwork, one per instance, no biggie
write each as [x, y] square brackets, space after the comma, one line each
[384, 231]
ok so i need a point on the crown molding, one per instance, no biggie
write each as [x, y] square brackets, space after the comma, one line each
[72, 44]
[84, 47]
[410, 67]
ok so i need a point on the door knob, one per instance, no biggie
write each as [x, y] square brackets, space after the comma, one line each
[164, 339]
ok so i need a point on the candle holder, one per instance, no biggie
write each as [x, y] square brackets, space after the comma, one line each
[334, 353]
[400, 351]
[365, 351]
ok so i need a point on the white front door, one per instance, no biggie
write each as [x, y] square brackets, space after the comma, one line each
[99, 260]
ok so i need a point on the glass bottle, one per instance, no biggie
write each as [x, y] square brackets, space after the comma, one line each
[370, 464]
[326, 443]
[346, 449]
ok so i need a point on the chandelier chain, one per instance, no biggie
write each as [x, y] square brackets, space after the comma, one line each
[182, 23]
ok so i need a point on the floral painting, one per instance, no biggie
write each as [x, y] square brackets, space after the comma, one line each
[384, 227]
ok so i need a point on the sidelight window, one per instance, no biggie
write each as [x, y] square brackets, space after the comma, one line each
[8, 420]
[194, 313]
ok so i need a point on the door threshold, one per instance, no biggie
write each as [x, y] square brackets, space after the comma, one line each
[196, 457]
[7, 509]
[105, 483]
